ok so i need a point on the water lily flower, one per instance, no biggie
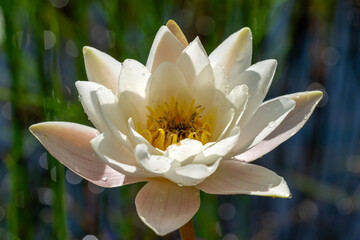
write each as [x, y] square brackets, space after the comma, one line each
[185, 122]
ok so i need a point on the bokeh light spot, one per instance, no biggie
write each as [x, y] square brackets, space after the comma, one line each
[227, 211]
[330, 56]
[205, 25]
[71, 49]
[72, 178]
[90, 237]
[59, 3]
[49, 40]
[6, 110]
[94, 188]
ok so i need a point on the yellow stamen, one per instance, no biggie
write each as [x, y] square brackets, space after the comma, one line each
[170, 122]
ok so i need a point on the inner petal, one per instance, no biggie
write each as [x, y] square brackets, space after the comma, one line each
[170, 122]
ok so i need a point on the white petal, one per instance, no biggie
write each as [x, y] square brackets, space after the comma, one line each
[234, 53]
[222, 81]
[223, 123]
[87, 95]
[192, 60]
[234, 177]
[166, 82]
[165, 48]
[191, 174]
[133, 78]
[185, 150]
[113, 116]
[156, 164]
[258, 78]
[101, 68]
[165, 207]
[219, 149]
[203, 88]
[69, 144]
[238, 97]
[108, 149]
[265, 120]
[305, 105]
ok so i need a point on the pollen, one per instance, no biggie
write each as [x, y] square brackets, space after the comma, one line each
[170, 122]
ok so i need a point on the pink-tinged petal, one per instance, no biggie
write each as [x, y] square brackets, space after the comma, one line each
[69, 143]
[101, 68]
[165, 48]
[165, 207]
[234, 177]
[258, 78]
[234, 53]
[133, 78]
[111, 152]
[265, 120]
[87, 95]
[305, 105]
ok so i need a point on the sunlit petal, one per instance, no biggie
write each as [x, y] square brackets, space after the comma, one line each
[165, 207]
[234, 177]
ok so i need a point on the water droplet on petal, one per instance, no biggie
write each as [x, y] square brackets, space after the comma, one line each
[271, 124]
[104, 178]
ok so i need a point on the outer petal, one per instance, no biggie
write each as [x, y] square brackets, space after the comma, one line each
[165, 207]
[87, 94]
[234, 177]
[69, 143]
[265, 120]
[305, 105]
[165, 48]
[101, 68]
[234, 53]
[133, 78]
[108, 149]
[258, 78]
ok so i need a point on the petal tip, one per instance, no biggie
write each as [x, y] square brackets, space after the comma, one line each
[281, 190]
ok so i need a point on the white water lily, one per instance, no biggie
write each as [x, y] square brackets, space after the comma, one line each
[185, 122]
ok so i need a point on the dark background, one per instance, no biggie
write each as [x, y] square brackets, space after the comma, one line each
[316, 44]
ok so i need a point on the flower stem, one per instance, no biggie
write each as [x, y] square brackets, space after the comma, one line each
[187, 232]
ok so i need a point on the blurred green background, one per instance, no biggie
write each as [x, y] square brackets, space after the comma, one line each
[317, 45]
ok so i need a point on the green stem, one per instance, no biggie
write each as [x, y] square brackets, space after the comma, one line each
[187, 232]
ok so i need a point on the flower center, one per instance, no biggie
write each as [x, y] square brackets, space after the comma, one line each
[171, 122]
